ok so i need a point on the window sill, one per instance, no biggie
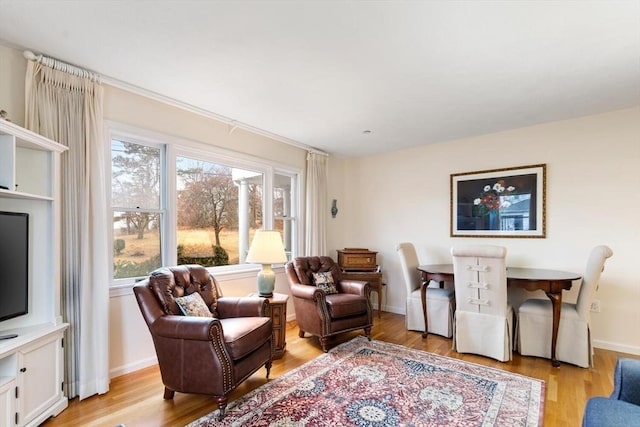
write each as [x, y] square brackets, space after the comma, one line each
[220, 273]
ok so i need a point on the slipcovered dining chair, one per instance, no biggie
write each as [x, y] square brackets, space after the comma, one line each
[440, 301]
[325, 304]
[574, 334]
[483, 317]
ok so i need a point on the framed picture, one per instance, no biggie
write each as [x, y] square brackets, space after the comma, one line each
[506, 202]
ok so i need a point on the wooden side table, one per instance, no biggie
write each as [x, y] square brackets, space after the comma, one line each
[278, 314]
[373, 277]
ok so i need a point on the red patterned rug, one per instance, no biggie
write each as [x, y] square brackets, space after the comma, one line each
[363, 383]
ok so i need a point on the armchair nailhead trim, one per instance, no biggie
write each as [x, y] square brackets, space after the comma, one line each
[215, 333]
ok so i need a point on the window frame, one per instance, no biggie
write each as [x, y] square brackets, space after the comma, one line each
[139, 139]
[294, 217]
[173, 147]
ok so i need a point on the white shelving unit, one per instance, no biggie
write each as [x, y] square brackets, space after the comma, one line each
[32, 365]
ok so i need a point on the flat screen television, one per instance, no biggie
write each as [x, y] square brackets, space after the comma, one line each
[14, 264]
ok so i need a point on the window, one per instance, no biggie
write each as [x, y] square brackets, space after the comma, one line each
[136, 208]
[284, 202]
[219, 209]
[178, 202]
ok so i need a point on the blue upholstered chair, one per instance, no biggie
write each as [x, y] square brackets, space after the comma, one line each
[622, 408]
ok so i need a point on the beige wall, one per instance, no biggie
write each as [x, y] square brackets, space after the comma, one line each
[592, 198]
[13, 67]
[130, 345]
[124, 107]
[593, 189]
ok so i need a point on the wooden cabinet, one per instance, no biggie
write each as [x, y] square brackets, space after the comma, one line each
[357, 259]
[361, 264]
[278, 314]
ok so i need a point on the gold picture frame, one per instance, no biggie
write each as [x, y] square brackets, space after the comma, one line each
[508, 202]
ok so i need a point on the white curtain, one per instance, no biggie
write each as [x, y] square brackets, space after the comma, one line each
[67, 107]
[317, 206]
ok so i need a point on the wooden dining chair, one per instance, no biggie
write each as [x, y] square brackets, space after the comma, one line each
[483, 318]
[574, 334]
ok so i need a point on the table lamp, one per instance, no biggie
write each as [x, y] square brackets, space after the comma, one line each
[266, 249]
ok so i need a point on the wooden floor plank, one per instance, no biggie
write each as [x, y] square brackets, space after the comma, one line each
[135, 399]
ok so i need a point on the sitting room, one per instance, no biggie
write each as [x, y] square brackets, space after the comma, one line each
[147, 148]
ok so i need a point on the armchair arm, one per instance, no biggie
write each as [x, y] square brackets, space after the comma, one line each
[626, 381]
[602, 411]
[229, 307]
[307, 292]
[184, 327]
[357, 287]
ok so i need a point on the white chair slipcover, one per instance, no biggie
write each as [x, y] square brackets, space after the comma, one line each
[440, 302]
[483, 318]
[574, 336]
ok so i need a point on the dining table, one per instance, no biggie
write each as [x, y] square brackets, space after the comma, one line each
[551, 282]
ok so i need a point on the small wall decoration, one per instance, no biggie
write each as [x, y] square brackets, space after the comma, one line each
[506, 202]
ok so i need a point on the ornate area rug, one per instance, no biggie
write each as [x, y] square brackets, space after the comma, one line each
[363, 383]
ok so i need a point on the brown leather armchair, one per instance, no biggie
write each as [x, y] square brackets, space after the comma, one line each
[322, 314]
[204, 355]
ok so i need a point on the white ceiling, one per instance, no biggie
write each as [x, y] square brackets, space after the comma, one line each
[322, 72]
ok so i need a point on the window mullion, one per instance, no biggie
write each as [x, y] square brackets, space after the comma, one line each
[168, 198]
[267, 209]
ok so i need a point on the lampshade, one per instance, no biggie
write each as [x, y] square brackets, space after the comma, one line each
[266, 248]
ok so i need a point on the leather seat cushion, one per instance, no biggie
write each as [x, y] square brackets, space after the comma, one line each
[245, 334]
[346, 305]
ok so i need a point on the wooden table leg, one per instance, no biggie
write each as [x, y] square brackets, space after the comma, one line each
[382, 285]
[423, 297]
[556, 302]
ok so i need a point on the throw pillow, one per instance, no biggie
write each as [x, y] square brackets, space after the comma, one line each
[325, 282]
[193, 305]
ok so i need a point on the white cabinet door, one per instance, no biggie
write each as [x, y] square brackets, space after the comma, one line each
[39, 377]
[7, 402]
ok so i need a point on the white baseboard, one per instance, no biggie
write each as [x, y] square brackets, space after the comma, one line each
[394, 310]
[390, 309]
[622, 348]
[132, 367]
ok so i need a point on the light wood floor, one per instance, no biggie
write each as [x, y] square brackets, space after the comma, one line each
[136, 399]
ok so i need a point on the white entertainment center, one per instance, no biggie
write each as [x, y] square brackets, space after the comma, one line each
[32, 364]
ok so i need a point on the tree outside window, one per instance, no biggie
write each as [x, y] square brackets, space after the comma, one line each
[135, 201]
[218, 202]
[219, 209]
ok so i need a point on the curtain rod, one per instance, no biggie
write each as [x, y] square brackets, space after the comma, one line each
[233, 124]
[72, 69]
[62, 66]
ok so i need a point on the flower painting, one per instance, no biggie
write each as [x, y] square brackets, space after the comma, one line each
[503, 202]
[490, 198]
